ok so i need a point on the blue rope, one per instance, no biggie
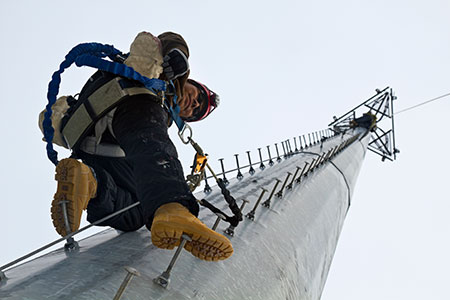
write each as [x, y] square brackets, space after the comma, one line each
[91, 54]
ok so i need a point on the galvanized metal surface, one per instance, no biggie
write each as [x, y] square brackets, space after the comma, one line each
[285, 253]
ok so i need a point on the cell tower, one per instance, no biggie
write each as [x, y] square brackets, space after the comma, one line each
[295, 197]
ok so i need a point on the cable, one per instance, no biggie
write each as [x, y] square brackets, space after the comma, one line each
[420, 104]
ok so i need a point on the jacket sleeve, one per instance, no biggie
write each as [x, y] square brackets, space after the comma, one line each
[169, 41]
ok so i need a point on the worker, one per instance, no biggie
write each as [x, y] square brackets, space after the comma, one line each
[128, 157]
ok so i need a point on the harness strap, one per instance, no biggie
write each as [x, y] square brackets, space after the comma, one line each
[95, 107]
[90, 146]
[89, 54]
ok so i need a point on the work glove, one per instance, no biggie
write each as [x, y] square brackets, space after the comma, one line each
[175, 64]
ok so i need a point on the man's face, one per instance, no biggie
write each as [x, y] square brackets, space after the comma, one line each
[189, 102]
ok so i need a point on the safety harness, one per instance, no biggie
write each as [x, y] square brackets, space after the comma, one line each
[97, 106]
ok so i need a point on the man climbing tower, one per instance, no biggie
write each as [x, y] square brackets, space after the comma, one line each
[127, 155]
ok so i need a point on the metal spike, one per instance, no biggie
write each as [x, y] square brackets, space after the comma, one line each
[306, 144]
[307, 172]
[71, 244]
[130, 273]
[295, 142]
[216, 223]
[280, 193]
[251, 170]
[267, 202]
[164, 279]
[278, 153]
[284, 149]
[225, 180]
[207, 188]
[239, 175]
[289, 186]
[270, 157]
[251, 214]
[261, 166]
[299, 179]
[290, 152]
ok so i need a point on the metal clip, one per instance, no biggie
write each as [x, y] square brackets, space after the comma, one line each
[182, 131]
[230, 229]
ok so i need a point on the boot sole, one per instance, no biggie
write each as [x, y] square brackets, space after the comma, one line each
[206, 244]
[68, 175]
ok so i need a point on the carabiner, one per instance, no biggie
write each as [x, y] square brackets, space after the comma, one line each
[181, 134]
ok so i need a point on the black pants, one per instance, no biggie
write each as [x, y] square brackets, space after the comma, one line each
[150, 173]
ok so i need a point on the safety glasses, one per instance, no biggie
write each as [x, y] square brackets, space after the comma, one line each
[207, 99]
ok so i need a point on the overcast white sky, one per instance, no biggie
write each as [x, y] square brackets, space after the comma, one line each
[282, 69]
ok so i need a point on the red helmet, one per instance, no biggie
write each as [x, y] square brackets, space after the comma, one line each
[207, 99]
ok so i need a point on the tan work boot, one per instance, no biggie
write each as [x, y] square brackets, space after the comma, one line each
[76, 186]
[171, 220]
